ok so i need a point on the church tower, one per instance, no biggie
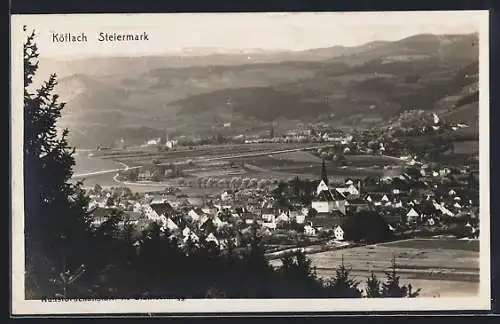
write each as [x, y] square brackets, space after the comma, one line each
[324, 175]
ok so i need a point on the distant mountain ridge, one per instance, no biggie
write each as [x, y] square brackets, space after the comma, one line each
[112, 97]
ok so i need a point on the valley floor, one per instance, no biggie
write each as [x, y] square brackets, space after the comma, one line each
[439, 267]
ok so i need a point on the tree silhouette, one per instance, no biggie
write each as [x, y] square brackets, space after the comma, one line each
[392, 287]
[373, 287]
[56, 221]
[342, 285]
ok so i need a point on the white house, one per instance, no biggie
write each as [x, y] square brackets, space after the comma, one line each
[202, 220]
[338, 232]
[217, 222]
[283, 218]
[194, 215]
[171, 225]
[268, 217]
[186, 231]
[188, 234]
[153, 141]
[412, 215]
[151, 213]
[309, 230]
[171, 144]
[211, 238]
[435, 118]
[300, 219]
[351, 190]
[224, 243]
[225, 196]
[271, 226]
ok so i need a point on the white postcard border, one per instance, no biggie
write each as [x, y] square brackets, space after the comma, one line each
[20, 306]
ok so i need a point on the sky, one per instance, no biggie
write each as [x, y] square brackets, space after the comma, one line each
[169, 33]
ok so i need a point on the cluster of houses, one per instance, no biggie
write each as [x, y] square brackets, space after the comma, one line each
[428, 195]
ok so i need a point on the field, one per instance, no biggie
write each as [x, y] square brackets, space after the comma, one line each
[466, 147]
[372, 160]
[299, 156]
[207, 163]
[199, 152]
[440, 267]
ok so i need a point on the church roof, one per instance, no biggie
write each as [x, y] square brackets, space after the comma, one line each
[325, 195]
[162, 208]
[329, 195]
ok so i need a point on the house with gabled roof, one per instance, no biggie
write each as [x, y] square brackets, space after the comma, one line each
[412, 216]
[170, 225]
[218, 223]
[283, 218]
[327, 200]
[269, 225]
[309, 230]
[100, 215]
[203, 220]
[132, 217]
[268, 214]
[338, 233]
[195, 216]
[187, 233]
[211, 238]
[300, 219]
[162, 207]
[349, 190]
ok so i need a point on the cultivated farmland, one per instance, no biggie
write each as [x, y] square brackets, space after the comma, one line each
[440, 267]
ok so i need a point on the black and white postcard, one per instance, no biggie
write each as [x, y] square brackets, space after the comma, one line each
[250, 162]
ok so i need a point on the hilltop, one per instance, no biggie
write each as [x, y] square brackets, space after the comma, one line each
[139, 97]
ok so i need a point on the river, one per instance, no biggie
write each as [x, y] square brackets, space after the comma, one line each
[86, 164]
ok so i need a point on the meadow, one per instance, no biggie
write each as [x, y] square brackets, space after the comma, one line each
[440, 267]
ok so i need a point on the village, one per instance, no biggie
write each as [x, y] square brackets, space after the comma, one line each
[428, 197]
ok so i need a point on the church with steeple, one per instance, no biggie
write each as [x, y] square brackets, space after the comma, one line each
[327, 200]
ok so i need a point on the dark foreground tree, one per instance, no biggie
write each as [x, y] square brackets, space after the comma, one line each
[342, 285]
[373, 287]
[392, 287]
[56, 222]
[299, 277]
[366, 226]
